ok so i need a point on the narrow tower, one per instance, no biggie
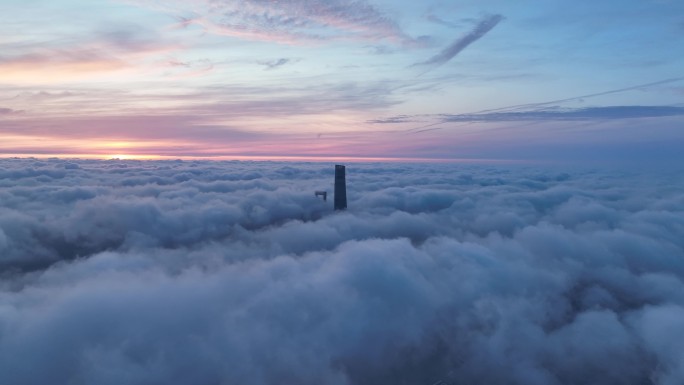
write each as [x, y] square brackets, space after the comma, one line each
[340, 188]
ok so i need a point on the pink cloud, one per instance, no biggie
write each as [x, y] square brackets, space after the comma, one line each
[8, 111]
[78, 58]
[182, 135]
[288, 22]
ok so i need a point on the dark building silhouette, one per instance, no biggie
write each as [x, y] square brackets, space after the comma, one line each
[323, 194]
[340, 188]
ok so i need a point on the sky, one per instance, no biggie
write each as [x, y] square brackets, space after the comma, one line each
[343, 79]
[223, 272]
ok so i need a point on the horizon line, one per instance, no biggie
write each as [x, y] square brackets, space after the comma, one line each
[257, 158]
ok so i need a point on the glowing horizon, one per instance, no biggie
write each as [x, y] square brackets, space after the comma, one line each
[275, 158]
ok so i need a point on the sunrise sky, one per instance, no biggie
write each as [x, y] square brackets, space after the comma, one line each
[350, 79]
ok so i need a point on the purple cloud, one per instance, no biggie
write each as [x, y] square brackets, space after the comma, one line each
[274, 64]
[76, 57]
[286, 21]
[8, 111]
[483, 27]
[588, 113]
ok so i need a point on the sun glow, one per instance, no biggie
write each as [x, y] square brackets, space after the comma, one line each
[118, 156]
[130, 157]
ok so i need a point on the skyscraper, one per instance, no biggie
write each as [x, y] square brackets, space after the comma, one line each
[340, 188]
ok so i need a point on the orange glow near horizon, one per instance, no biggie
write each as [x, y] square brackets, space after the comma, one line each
[130, 157]
[294, 149]
[255, 158]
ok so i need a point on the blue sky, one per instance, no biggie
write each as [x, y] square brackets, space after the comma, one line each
[343, 79]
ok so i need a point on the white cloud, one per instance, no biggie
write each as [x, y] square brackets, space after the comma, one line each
[234, 272]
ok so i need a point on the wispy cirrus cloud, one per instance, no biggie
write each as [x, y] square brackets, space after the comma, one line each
[8, 111]
[63, 64]
[77, 57]
[552, 110]
[482, 28]
[588, 113]
[274, 64]
[605, 113]
[187, 69]
[446, 23]
[285, 21]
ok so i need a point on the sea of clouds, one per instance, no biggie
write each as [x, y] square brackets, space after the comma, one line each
[188, 272]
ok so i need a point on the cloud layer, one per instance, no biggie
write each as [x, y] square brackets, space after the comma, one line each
[233, 272]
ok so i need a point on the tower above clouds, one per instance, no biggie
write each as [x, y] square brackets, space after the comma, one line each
[340, 187]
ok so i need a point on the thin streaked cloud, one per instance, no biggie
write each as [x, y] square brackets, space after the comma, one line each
[549, 114]
[482, 28]
[8, 111]
[274, 64]
[285, 21]
[78, 57]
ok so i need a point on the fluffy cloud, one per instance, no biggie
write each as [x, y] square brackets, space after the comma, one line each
[234, 272]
